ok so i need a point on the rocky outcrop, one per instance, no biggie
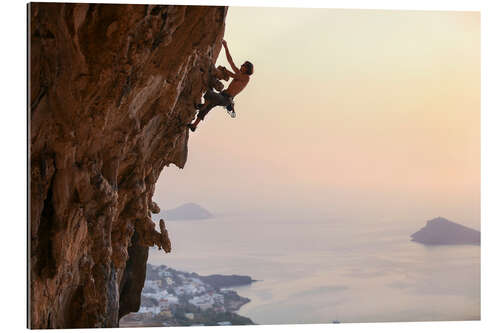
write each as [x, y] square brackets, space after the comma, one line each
[226, 281]
[440, 231]
[111, 90]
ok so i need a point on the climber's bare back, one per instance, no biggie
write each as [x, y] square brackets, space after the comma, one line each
[239, 82]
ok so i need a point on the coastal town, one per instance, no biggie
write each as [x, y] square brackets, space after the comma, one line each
[175, 298]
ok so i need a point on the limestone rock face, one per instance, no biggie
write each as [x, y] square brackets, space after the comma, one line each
[111, 90]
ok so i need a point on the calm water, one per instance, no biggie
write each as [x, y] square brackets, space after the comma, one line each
[322, 270]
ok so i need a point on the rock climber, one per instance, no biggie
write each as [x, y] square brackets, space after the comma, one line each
[240, 77]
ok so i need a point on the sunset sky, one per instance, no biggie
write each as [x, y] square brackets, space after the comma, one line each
[349, 112]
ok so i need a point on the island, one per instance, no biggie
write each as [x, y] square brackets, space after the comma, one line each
[175, 298]
[440, 231]
[187, 211]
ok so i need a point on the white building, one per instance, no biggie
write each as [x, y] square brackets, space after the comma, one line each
[202, 299]
[204, 306]
[152, 309]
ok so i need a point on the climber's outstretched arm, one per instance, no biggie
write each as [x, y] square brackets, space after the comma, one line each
[230, 60]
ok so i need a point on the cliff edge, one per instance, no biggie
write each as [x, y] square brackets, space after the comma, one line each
[111, 90]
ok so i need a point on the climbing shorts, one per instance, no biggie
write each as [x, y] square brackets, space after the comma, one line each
[213, 99]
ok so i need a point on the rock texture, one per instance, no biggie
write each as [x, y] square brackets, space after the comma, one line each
[111, 90]
[440, 231]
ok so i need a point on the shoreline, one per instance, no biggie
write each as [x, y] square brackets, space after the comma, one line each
[176, 298]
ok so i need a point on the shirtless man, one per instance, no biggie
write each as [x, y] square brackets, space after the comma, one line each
[240, 77]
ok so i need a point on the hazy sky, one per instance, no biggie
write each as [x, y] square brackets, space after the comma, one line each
[349, 113]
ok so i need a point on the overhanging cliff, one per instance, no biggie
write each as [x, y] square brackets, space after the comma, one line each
[111, 90]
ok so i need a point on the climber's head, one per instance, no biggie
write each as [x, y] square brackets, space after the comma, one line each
[247, 68]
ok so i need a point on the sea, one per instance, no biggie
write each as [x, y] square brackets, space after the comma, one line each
[324, 270]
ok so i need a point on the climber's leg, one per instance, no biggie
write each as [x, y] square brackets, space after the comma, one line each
[205, 108]
[192, 126]
[212, 99]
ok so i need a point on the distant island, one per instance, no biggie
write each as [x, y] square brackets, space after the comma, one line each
[440, 231]
[187, 211]
[175, 298]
